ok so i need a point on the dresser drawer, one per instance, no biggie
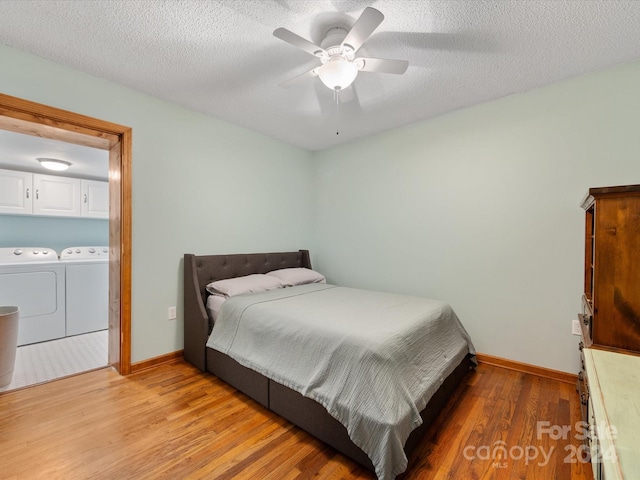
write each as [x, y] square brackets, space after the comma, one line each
[582, 387]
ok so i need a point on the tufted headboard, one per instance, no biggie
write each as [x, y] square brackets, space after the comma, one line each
[204, 269]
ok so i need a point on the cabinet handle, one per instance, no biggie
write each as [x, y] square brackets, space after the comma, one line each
[37, 194]
[27, 193]
[85, 198]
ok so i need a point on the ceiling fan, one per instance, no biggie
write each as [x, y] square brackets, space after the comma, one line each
[337, 53]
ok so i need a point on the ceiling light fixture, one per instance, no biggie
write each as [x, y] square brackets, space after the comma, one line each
[337, 53]
[338, 73]
[54, 164]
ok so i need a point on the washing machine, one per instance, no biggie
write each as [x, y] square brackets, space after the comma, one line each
[87, 288]
[34, 279]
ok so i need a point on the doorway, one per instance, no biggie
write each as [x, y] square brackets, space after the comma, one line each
[22, 116]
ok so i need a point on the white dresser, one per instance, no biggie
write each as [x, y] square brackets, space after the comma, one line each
[613, 381]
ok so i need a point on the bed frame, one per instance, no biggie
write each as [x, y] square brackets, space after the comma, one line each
[299, 410]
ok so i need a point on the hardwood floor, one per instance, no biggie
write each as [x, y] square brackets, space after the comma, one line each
[173, 422]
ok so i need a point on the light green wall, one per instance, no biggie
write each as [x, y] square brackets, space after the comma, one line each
[53, 232]
[480, 208]
[199, 186]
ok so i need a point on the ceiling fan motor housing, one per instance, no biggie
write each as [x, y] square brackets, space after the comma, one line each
[332, 44]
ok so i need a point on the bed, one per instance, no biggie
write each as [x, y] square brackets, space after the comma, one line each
[309, 411]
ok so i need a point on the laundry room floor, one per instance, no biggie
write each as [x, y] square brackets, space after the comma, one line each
[46, 361]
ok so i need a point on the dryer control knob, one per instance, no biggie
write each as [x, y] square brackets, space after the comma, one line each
[17, 251]
[105, 250]
[69, 252]
[44, 252]
[35, 252]
[77, 250]
[92, 250]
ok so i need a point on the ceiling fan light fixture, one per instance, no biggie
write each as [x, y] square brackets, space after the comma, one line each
[338, 73]
[54, 164]
[337, 53]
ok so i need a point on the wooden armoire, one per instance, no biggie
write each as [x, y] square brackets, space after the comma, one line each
[611, 300]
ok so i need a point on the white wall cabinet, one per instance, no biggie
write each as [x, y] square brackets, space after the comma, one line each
[16, 192]
[58, 196]
[95, 199]
[23, 193]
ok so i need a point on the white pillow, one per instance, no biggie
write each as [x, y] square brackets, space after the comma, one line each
[214, 304]
[257, 282]
[297, 276]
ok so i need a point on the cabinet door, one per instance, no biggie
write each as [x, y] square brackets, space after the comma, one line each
[16, 192]
[95, 199]
[57, 196]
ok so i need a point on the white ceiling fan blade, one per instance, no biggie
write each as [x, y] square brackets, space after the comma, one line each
[298, 78]
[297, 41]
[381, 65]
[363, 28]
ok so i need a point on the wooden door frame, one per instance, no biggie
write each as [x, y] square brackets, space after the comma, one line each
[23, 116]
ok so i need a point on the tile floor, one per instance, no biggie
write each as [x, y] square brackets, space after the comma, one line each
[42, 362]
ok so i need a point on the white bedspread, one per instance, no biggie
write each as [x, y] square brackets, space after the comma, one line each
[372, 359]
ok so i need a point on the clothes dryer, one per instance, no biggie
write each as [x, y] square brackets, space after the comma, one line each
[34, 279]
[87, 288]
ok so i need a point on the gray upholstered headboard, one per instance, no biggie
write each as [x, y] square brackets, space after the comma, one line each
[204, 269]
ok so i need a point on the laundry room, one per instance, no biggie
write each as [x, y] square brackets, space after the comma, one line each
[54, 256]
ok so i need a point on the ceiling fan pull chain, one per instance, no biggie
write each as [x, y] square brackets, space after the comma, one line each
[336, 95]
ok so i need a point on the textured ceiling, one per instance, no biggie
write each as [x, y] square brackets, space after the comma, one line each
[220, 57]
